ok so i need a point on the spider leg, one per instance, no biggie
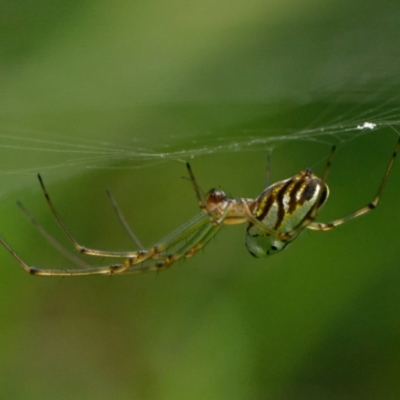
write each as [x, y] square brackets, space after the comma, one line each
[191, 234]
[123, 221]
[57, 245]
[202, 237]
[200, 200]
[268, 169]
[59, 272]
[137, 255]
[161, 261]
[182, 233]
[319, 226]
[198, 232]
[195, 186]
[328, 164]
[86, 269]
[188, 249]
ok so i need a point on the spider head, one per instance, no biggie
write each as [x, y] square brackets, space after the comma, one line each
[214, 200]
[215, 197]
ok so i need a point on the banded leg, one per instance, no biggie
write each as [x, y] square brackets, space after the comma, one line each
[319, 226]
[199, 228]
[82, 249]
[163, 261]
[123, 221]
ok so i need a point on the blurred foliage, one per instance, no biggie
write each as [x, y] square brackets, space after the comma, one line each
[82, 81]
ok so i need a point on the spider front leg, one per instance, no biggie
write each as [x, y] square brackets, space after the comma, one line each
[213, 204]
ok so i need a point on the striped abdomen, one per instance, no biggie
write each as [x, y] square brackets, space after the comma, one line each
[282, 208]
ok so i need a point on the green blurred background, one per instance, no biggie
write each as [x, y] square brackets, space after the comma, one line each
[98, 95]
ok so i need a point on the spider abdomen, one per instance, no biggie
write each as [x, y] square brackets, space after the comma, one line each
[281, 208]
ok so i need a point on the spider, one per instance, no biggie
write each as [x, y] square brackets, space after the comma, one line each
[274, 219]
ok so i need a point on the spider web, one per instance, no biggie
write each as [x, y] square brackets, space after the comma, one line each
[27, 152]
[213, 99]
[227, 86]
[59, 159]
